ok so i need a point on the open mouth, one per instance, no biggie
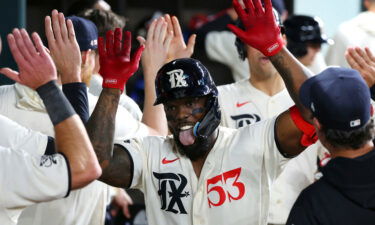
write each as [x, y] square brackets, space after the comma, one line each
[186, 136]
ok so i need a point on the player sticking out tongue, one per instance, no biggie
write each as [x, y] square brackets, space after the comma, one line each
[189, 96]
[188, 133]
[186, 136]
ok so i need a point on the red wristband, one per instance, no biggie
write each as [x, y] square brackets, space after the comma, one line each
[309, 136]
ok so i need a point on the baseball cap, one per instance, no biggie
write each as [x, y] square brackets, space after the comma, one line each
[338, 97]
[301, 28]
[86, 33]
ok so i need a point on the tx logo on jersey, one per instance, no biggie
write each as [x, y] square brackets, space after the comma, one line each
[47, 160]
[177, 78]
[171, 191]
[245, 119]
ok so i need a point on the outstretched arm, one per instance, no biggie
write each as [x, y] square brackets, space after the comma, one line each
[262, 33]
[116, 67]
[153, 58]
[37, 71]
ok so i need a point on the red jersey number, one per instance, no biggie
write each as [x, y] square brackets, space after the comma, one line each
[216, 187]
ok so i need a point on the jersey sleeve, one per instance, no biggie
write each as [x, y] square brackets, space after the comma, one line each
[138, 157]
[263, 133]
[15, 136]
[26, 179]
[220, 47]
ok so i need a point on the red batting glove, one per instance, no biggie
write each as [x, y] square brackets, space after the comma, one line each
[116, 66]
[261, 31]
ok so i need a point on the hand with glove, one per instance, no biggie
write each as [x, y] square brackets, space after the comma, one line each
[261, 31]
[116, 65]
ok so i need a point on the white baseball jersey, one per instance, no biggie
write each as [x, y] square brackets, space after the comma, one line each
[27, 177]
[125, 101]
[233, 187]
[242, 104]
[358, 31]
[85, 206]
[24, 105]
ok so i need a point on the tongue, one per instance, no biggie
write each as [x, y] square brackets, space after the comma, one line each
[186, 137]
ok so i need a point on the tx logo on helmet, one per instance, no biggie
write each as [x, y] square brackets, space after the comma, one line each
[177, 78]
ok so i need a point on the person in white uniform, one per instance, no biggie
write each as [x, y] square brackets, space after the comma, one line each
[359, 31]
[202, 172]
[27, 175]
[23, 105]
[262, 96]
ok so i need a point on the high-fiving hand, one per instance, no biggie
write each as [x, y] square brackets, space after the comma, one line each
[261, 31]
[34, 63]
[178, 48]
[116, 66]
[364, 62]
[63, 46]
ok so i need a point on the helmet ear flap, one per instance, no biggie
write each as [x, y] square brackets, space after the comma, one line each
[210, 121]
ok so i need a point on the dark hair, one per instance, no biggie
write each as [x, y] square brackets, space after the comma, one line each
[350, 139]
[298, 49]
[104, 20]
[80, 5]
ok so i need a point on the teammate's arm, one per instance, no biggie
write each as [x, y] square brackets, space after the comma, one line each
[38, 72]
[262, 33]
[153, 58]
[116, 67]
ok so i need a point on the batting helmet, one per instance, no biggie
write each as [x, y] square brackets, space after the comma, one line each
[300, 30]
[241, 49]
[186, 77]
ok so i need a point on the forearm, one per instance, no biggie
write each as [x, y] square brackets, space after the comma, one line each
[76, 93]
[101, 125]
[153, 116]
[70, 136]
[73, 141]
[293, 74]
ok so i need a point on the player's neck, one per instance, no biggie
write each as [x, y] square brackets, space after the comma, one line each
[199, 163]
[270, 85]
[352, 153]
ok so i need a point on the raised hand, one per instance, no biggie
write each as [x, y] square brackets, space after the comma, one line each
[116, 66]
[157, 47]
[178, 48]
[363, 61]
[63, 47]
[153, 58]
[261, 31]
[35, 64]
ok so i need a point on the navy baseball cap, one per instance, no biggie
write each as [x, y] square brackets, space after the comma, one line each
[86, 33]
[338, 97]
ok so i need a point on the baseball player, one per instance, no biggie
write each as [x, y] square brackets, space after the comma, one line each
[340, 101]
[202, 170]
[304, 40]
[28, 176]
[24, 106]
[262, 96]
